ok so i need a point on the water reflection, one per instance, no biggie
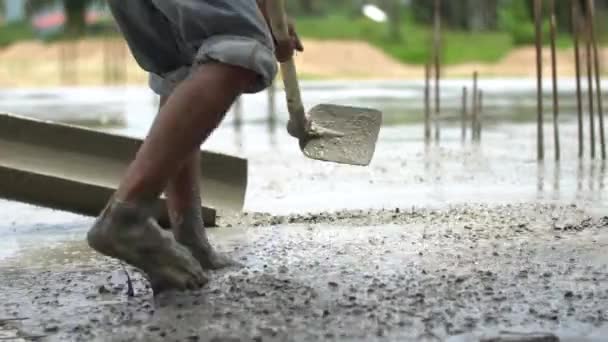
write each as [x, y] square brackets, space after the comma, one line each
[540, 176]
[579, 177]
[267, 119]
[401, 102]
[272, 135]
[602, 176]
[557, 177]
[589, 181]
[240, 136]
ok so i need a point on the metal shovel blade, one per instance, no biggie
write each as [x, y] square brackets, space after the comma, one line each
[359, 128]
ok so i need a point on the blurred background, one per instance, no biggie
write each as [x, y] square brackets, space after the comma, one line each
[75, 42]
[64, 60]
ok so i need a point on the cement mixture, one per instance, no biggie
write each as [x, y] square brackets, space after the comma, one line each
[464, 273]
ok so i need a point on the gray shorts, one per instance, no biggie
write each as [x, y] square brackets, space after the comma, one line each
[170, 37]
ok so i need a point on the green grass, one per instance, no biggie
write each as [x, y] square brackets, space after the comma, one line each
[415, 45]
[15, 32]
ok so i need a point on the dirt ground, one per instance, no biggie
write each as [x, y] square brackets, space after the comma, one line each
[30, 64]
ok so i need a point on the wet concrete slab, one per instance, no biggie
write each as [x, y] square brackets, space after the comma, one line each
[406, 275]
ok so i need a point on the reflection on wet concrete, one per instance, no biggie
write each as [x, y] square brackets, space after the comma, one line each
[556, 181]
[602, 177]
[590, 180]
[94, 107]
[401, 102]
[540, 174]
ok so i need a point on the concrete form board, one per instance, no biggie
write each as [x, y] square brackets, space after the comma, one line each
[76, 169]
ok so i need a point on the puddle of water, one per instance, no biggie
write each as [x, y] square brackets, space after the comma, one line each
[401, 102]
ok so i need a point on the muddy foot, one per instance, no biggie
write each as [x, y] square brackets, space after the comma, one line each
[197, 242]
[127, 233]
[189, 230]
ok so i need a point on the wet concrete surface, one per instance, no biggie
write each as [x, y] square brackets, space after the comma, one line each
[465, 273]
[455, 242]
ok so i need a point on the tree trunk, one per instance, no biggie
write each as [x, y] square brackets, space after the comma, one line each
[460, 14]
[395, 18]
[481, 15]
[393, 10]
[75, 11]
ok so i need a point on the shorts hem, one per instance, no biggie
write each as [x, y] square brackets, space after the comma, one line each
[244, 52]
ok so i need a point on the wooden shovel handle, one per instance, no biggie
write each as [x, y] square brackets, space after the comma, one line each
[280, 29]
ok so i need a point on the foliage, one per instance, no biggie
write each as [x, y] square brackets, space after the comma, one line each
[15, 32]
[515, 19]
[463, 37]
[460, 46]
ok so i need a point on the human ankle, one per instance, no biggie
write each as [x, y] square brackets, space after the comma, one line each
[128, 212]
[188, 224]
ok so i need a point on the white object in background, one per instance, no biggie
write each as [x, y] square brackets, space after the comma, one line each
[374, 13]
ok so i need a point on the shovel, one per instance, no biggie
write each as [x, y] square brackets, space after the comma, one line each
[339, 134]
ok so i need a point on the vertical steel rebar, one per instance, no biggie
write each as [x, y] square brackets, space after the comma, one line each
[464, 115]
[577, 61]
[553, 25]
[427, 103]
[474, 106]
[590, 94]
[539, 78]
[598, 83]
[479, 115]
[437, 61]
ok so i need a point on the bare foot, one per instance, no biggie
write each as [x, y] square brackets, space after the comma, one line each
[190, 232]
[198, 244]
[126, 232]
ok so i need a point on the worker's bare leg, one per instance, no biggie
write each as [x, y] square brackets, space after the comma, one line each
[126, 230]
[184, 203]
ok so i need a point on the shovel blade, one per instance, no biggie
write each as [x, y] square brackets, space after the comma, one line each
[360, 128]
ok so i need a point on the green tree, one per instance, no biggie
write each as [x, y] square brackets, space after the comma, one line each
[308, 6]
[471, 15]
[393, 9]
[517, 18]
[75, 11]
